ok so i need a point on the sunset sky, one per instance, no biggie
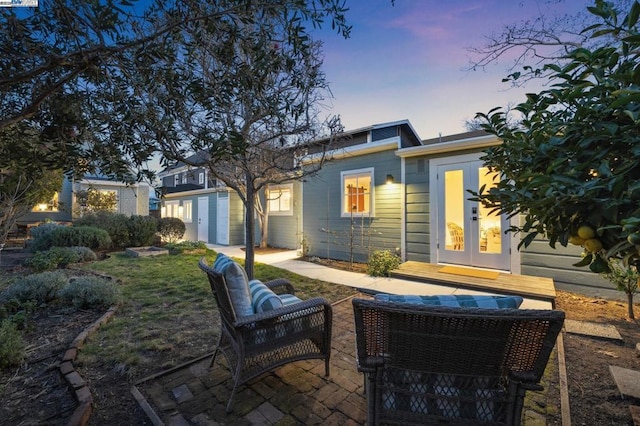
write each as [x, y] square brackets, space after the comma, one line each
[407, 61]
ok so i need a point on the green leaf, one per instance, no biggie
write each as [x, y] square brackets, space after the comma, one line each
[585, 261]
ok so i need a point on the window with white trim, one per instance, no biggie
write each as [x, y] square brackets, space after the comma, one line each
[201, 178]
[184, 178]
[357, 192]
[171, 209]
[187, 211]
[176, 180]
[280, 199]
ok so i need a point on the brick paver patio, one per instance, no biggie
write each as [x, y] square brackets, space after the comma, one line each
[297, 393]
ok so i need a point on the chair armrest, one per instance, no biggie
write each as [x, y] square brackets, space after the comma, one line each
[280, 286]
[527, 380]
[369, 364]
[285, 313]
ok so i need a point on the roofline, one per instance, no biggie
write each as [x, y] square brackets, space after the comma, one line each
[109, 183]
[478, 142]
[356, 150]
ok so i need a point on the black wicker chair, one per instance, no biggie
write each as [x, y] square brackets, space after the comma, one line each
[258, 343]
[435, 364]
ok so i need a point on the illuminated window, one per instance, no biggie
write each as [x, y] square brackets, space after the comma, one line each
[357, 192]
[279, 199]
[186, 211]
[47, 206]
[170, 209]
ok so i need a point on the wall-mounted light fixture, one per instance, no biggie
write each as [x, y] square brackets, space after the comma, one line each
[389, 179]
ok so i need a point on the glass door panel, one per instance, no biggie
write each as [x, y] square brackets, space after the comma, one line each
[453, 214]
[490, 224]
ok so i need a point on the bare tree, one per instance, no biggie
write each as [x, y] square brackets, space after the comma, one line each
[532, 42]
[250, 105]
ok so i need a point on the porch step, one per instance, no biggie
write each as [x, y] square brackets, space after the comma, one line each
[540, 288]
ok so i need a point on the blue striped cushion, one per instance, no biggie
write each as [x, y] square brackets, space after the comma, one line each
[289, 299]
[237, 284]
[263, 298]
[221, 262]
[455, 300]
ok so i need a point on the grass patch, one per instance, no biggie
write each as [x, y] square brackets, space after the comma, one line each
[167, 315]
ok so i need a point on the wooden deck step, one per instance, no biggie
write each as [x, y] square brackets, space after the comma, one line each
[540, 288]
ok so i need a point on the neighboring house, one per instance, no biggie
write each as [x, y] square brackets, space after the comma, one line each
[64, 206]
[211, 212]
[383, 189]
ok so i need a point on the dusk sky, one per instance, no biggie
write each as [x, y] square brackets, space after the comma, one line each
[407, 61]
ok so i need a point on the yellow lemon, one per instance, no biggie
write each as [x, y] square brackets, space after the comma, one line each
[586, 232]
[593, 245]
[575, 240]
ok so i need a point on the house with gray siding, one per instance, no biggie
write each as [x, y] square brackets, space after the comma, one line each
[425, 214]
[381, 188]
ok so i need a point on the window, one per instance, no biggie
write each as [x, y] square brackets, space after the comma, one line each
[186, 211]
[176, 180]
[201, 178]
[357, 194]
[47, 206]
[279, 199]
[170, 209]
[184, 178]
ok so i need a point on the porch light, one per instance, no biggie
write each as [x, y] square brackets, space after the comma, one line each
[42, 207]
[389, 179]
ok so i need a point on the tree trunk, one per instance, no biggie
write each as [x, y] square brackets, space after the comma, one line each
[630, 306]
[249, 254]
[264, 230]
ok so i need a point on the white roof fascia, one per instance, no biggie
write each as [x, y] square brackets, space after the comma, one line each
[356, 150]
[451, 146]
[170, 172]
[194, 192]
[108, 183]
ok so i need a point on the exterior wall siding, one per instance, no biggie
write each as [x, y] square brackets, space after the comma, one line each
[542, 260]
[285, 231]
[236, 220]
[417, 211]
[328, 234]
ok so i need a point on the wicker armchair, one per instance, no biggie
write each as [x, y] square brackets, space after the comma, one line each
[258, 343]
[436, 364]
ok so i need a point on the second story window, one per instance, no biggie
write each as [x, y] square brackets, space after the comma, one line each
[176, 180]
[201, 178]
[184, 178]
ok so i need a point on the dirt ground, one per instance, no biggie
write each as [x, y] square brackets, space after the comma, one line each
[36, 394]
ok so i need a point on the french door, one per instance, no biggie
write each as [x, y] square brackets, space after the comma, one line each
[467, 232]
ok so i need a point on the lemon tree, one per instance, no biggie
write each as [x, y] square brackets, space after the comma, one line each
[571, 167]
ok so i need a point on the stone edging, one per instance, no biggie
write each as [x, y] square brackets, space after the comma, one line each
[81, 391]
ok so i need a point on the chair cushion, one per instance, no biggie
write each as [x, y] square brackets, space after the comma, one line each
[455, 300]
[237, 284]
[263, 298]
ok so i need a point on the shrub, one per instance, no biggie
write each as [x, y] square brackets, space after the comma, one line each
[12, 347]
[114, 223]
[90, 292]
[177, 248]
[41, 230]
[171, 229]
[142, 230]
[57, 257]
[381, 262]
[37, 288]
[69, 236]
